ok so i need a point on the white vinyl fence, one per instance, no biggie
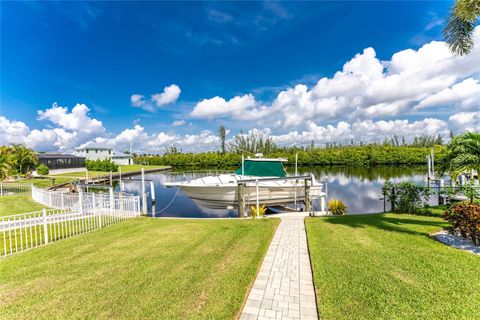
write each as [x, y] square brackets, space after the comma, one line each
[29, 230]
[66, 200]
[15, 189]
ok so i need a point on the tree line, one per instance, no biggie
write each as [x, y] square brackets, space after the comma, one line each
[357, 156]
[392, 151]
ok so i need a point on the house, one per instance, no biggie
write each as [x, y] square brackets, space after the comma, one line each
[122, 158]
[93, 151]
[61, 163]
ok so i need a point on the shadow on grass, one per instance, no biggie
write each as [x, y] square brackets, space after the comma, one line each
[383, 222]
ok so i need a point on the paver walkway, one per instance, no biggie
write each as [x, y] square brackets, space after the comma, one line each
[283, 288]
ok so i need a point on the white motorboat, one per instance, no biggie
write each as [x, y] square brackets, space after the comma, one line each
[222, 190]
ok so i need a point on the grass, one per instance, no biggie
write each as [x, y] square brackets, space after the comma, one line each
[18, 204]
[387, 267]
[141, 268]
[44, 182]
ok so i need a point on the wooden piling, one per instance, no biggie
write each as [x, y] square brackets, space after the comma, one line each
[308, 205]
[241, 200]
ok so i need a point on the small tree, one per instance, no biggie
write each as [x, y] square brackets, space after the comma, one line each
[406, 196]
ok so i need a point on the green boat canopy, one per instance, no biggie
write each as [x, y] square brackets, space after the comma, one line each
[262, 168]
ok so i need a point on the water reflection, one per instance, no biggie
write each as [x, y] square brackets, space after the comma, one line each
[359, 188]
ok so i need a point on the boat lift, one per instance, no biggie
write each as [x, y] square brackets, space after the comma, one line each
[311, 192]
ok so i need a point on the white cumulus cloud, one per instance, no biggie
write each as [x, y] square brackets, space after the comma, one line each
[169, 95]
[465, 121]
[366, 88]
[178, 123]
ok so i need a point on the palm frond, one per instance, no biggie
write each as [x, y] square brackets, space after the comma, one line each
[458, 34]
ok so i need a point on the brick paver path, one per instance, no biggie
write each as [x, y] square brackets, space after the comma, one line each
[283, 288]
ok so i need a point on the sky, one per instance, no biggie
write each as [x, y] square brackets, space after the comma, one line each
[159, 74]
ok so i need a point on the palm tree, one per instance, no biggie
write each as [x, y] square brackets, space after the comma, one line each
[222, 132]
[463, 153]
[6, 162]
[25, 159]
[459, 29]
[5, 166]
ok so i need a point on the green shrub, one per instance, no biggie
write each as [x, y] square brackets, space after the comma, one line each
[406, 197]
[101, 165]
[43, 170]
[465, 220]
[337, 207]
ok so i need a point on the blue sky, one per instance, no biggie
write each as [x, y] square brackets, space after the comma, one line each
[101, 54]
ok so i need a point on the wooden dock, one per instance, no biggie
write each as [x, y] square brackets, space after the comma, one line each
[106, 178]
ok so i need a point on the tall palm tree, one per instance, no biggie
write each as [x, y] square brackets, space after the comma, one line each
[222, 132]
[459, 29]
[463, 153]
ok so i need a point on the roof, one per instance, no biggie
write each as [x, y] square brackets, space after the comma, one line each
[57, 156]
[267, 159]
[92, 145]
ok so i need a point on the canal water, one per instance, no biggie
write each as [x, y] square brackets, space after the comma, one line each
[359, 188]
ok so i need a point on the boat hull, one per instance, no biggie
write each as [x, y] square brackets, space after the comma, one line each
[228, 195]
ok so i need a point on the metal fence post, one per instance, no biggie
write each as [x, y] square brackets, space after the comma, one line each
[80, 202]
[97, 210]
[112, 203]
[45, 228]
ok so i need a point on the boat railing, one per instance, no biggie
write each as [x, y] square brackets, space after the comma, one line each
[303, 177]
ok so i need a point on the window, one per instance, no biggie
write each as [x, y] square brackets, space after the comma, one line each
[109, 151]
[96, 151]
[86, 150]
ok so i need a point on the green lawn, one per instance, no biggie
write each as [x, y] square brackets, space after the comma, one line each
[18, 204]
[44, 182]
[141, 268]
[386, 267]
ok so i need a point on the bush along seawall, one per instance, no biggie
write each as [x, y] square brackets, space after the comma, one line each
[355, 156]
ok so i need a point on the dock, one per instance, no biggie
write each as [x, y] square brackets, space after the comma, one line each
[106, 178]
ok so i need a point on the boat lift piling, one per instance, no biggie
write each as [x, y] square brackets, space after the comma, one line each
[244, 184]
[144, 194]
[120, 178]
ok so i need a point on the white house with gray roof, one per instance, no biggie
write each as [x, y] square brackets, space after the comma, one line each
[93, 151]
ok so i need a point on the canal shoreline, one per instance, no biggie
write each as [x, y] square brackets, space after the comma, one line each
[104, 178]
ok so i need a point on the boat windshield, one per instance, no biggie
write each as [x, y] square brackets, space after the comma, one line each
[262, 168]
